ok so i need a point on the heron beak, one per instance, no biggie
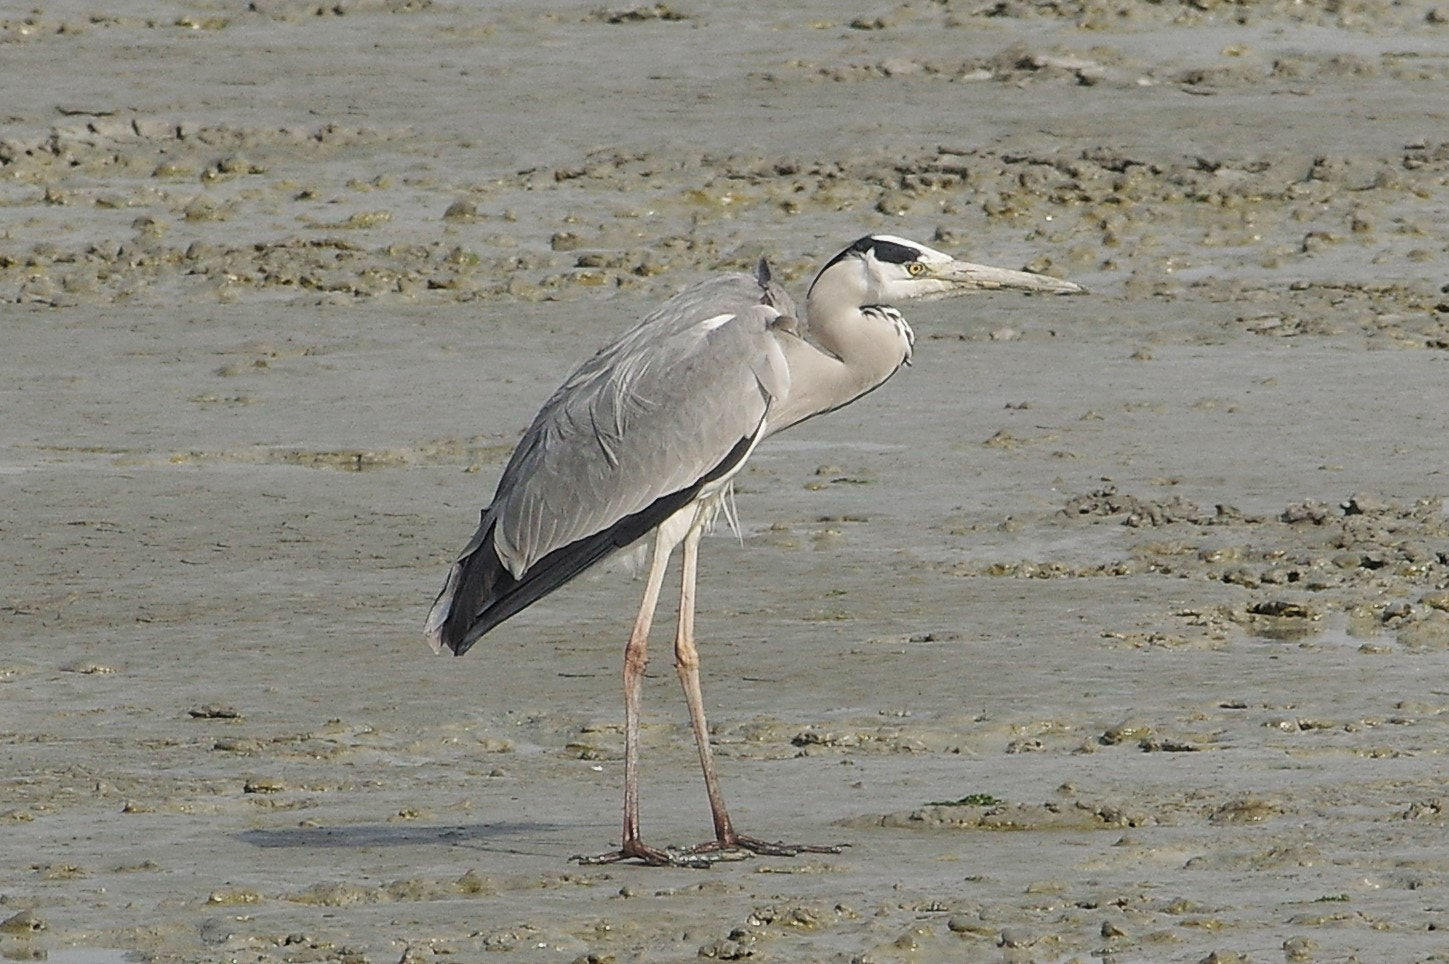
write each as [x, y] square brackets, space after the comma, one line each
[964, 276]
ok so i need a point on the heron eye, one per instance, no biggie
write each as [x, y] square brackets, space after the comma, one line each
[916, 269]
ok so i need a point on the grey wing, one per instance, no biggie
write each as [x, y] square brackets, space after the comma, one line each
[630, 439]
[726, 294]
[664, 415]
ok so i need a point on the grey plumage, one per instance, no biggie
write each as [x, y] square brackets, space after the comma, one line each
[617, 449]
[645, 437]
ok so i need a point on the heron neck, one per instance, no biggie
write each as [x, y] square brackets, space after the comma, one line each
[855, 354]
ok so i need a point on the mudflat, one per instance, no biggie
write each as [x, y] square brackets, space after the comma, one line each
[1116, 627]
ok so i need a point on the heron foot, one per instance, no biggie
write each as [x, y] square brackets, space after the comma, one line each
[654, 857]
[738, 847]
[765, 848]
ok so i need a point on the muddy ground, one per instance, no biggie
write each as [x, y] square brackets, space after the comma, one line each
[1116, 627]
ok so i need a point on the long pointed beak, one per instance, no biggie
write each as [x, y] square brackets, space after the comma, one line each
[964, 276]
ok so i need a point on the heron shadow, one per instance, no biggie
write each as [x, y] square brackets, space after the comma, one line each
[483, 835]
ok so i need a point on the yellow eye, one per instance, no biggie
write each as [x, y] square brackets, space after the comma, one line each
[916, 269]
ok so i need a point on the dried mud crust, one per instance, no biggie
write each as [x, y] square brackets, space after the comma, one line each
[191, 210]
[1383, 567]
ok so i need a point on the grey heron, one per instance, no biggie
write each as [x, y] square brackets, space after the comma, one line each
[648, 434]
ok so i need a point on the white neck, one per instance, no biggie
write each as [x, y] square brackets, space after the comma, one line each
[860, 351]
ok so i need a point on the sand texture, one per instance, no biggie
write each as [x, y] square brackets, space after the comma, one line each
[1115, 628]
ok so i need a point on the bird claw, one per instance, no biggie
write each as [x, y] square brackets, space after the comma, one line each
[692, 859]
[765, 848]
[707, 854]
[631, 850]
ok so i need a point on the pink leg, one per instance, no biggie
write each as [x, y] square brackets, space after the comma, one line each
[636, 658]
[686, 662]
[686, 658]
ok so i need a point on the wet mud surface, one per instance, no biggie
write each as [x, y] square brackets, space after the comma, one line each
[1115, 628]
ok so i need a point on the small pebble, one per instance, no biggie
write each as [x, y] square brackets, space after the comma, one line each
[214, 711]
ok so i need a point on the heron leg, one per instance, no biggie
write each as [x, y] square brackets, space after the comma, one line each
[686, 662]
[636, 658]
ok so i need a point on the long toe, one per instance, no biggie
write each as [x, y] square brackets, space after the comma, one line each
[767, 848]
[632, 850]
[779, 848]
[736, 847]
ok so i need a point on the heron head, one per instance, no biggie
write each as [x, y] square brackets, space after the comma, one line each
[884, 269]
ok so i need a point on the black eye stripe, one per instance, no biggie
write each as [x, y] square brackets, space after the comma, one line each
[884, 251]
[894, 253]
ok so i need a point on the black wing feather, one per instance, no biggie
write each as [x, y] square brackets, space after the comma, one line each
[487, 593]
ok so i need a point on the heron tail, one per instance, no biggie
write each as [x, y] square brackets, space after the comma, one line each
[471, 581]
[481, 592]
